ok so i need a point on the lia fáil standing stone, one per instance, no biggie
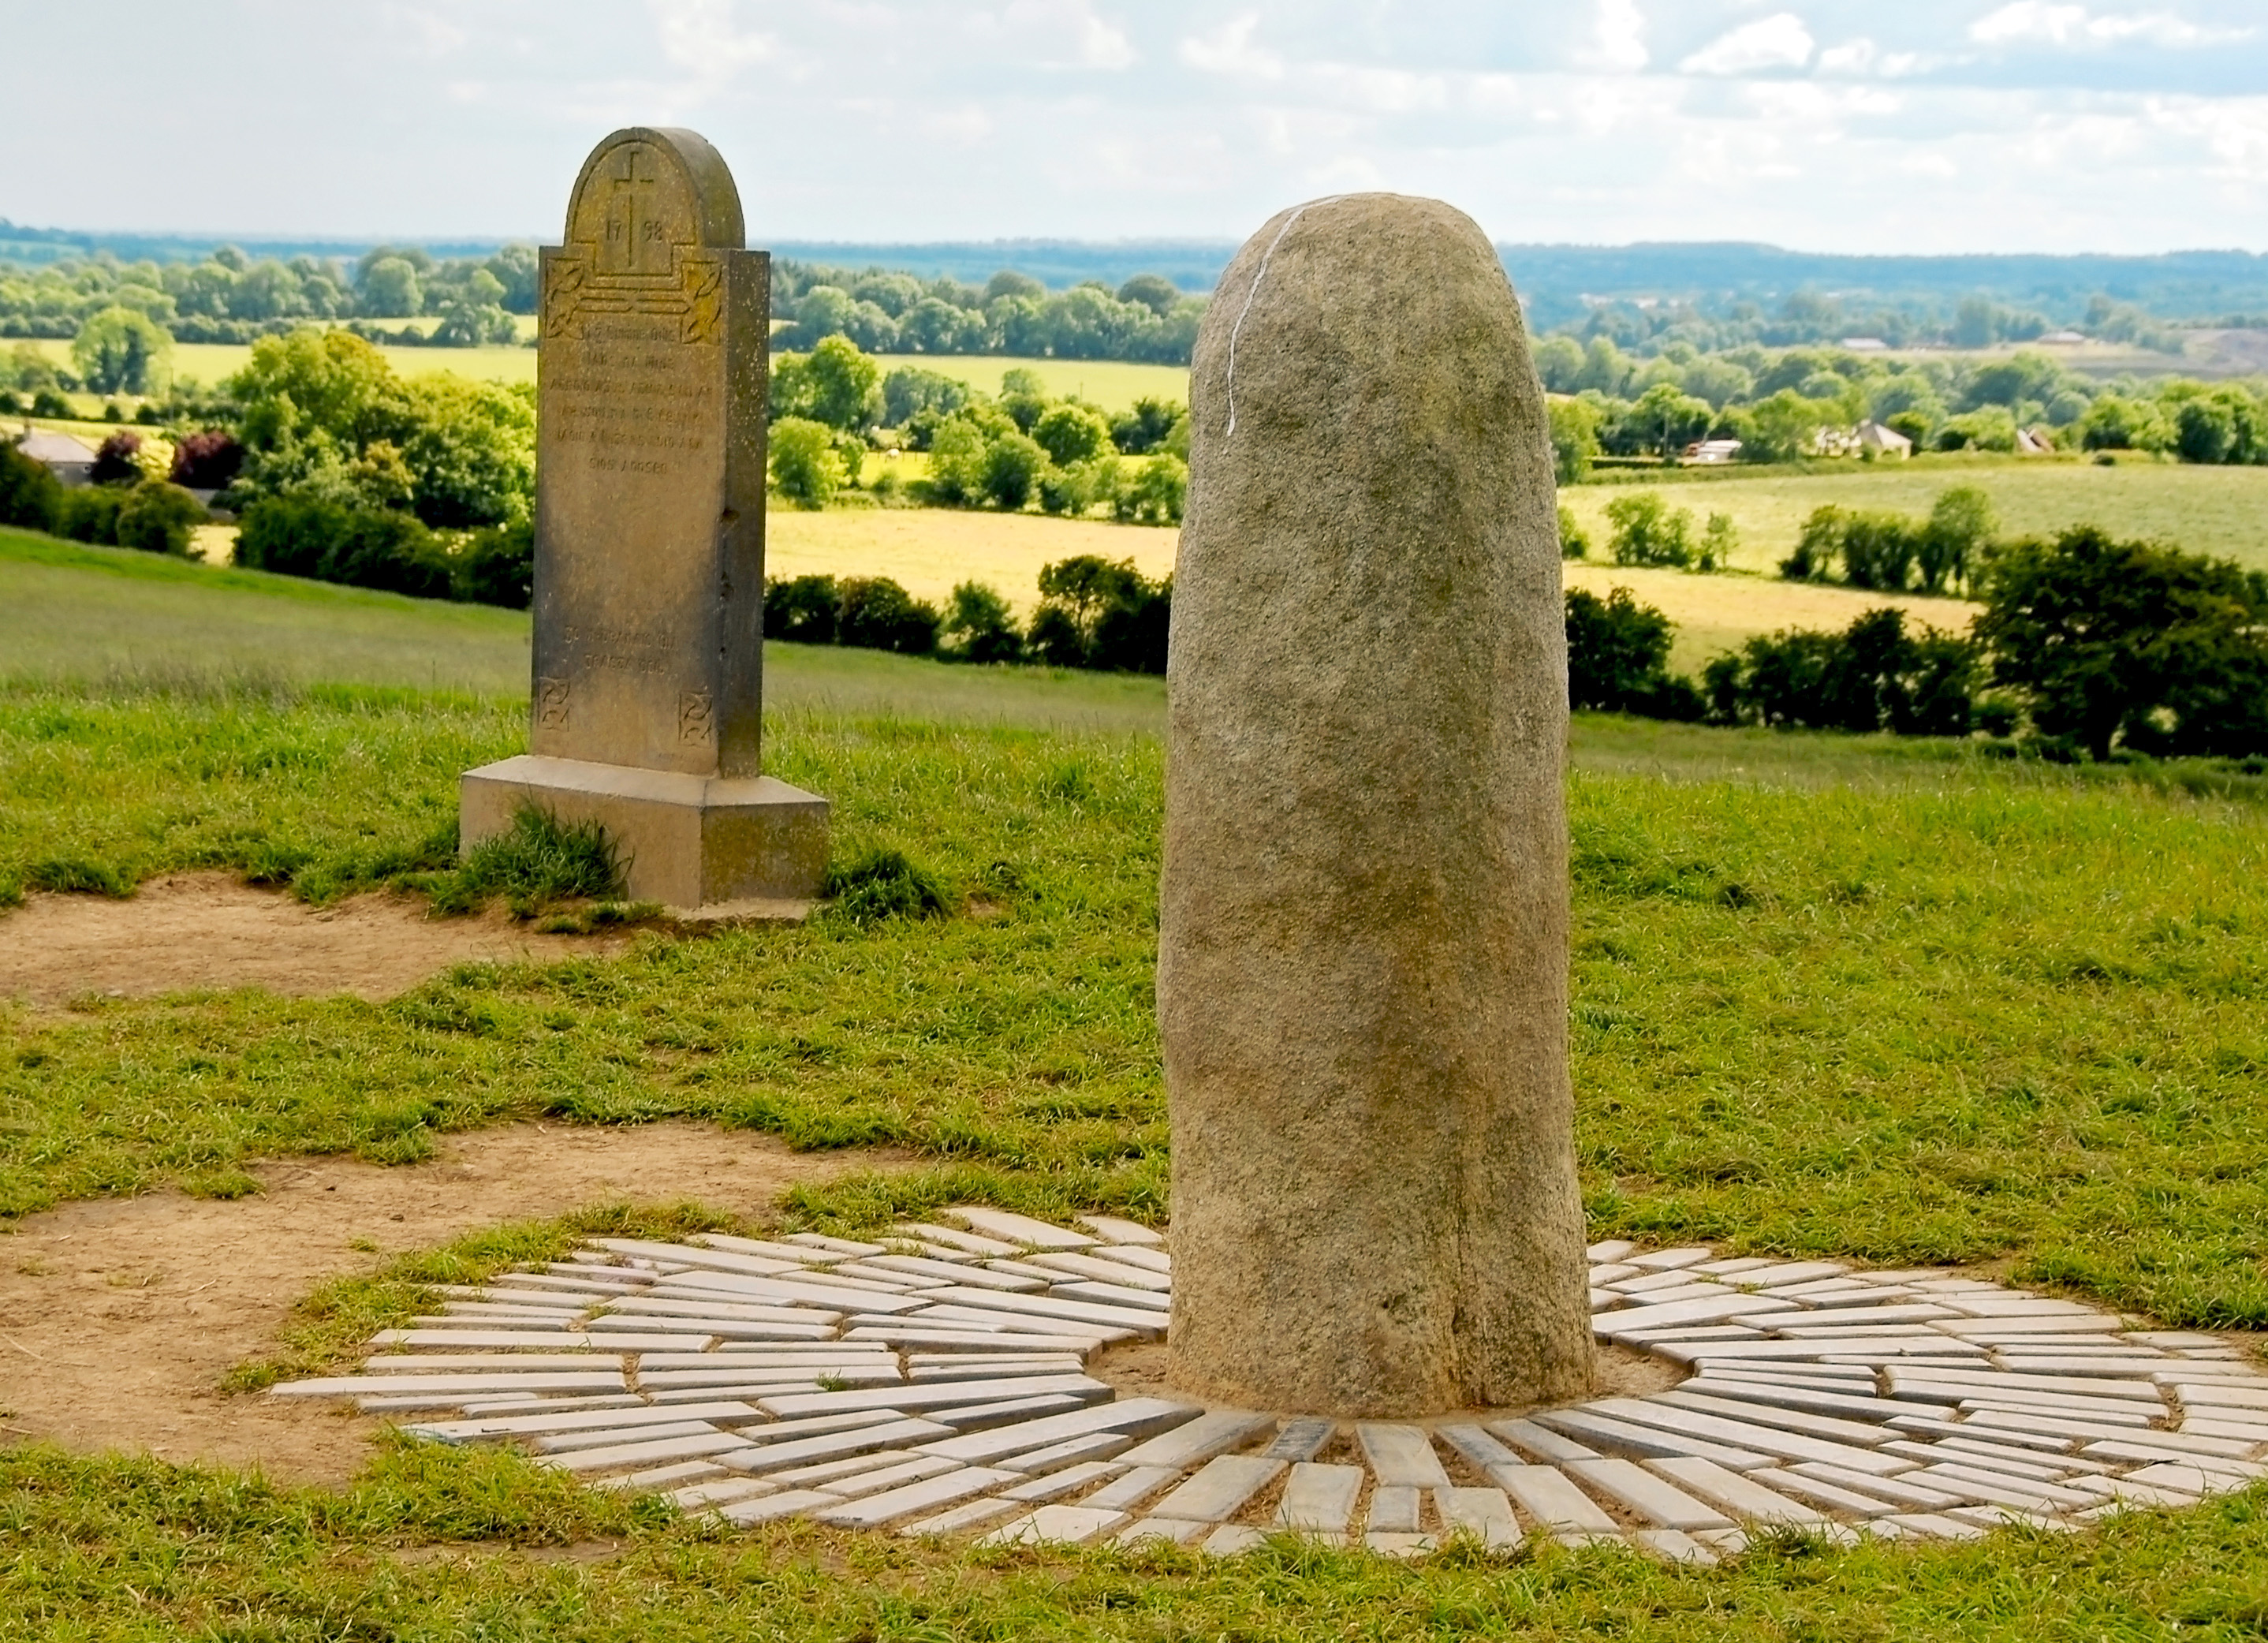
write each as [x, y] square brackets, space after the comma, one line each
[655, 354]
[1362, 981]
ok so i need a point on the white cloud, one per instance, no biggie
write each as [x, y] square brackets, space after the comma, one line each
[1094, 42]
[2049, 23]
[1778, 41]
[436, 36]
[1229, 49]
[698, 36]
[1862, 56]
[1617, 41]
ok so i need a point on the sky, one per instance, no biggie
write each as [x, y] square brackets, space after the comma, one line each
[1827, 125]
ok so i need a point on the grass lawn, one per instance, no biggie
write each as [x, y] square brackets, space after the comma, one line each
[1899, 1001]
[1113, 385]
[2218, 511]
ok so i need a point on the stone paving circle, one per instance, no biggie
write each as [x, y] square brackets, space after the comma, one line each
[937, 1384]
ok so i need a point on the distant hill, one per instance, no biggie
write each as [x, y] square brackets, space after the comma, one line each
[1555, 279]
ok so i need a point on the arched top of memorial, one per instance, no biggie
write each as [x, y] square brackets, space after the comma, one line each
[648, 190]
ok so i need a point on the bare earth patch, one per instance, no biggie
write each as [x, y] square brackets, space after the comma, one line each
[204, 932]
[118, 1317]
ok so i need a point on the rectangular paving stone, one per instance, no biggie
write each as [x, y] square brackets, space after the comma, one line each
[1130, 1488]
[953, 1272]
[946, 1338]
[908, 1499]
[2007, 1326]
[1400, 1456]
[1978, 1483]
[1113, 1229]
[1704, 1309]
[985, 1368]
[764, 1508]
[866, 1273]
[1745, 1434]
[1936, 1526]
[2104, 1367]
[647, 1453]
[1648, 1496]
[701, 1496]
[1866, 1434]
[1178, 1531]
[1100, 1446]
[1475, 1444]
[1667, 1260]
[1074, 1264]
[479, 1363]
[823, 1474]
[1820, 1319]
[1549, 1496]
[1904, 1489]
[1055, 1485]
[1628, 1438]
[1610, 1249]
[1676, 1546]
[1850, 1407]
[1994, 1422]
[1140, 1417]
[1483, 1513]
[1019, 1230]
[1220, 1487]
[1810, 1351]
[967, 1515]
[1055, 1525]
[403, 1385]
[2178, 1446]
[936, 1395]
[676, 1473]
[744, 1375]
[2020, 1462]
[890, 1434]
[1151, 1260]
[1396, 1543]
[2226, 1394]
[817, 1293]
[913, 1470]
[1158, 1302]
[826, 1245]
[1231, 1538]
[1319, 1500]
[959, 1238]
[608, 1437]
[1819, 1492]
[1793, 1272]
[1006, 1412]
[1393, 1511]
[1748, 1501]
[2204, 1426]
[2175, 1477]
[1301, 1440]
[1539, 1441]
[1210, 1433]
[1142, 1320]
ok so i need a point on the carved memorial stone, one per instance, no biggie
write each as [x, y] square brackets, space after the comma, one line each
[647, 704]
[1362, 981]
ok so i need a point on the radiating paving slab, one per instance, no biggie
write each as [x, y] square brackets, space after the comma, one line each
[936, 1383]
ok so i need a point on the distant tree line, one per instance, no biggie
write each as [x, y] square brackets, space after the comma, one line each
[2087, 646]
[1093, 613]
[883, 311]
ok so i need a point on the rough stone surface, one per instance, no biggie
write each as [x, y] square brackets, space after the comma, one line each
[647, 704]
[1362, 976]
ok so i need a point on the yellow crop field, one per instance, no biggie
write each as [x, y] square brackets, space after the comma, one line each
[1113, 385]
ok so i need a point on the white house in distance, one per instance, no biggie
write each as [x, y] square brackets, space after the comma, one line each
[1710, 452]
[1884, 441]
[64, 457]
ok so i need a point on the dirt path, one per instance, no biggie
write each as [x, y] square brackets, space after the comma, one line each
[118, 1317]
[195, 931]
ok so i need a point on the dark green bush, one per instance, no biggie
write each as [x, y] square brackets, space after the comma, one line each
[802, 611]
[876, 614]
[1102, 613]
[883, 884]
[159, 518]
[979, 627]
[30, 495]
[1874, 675]
[88, 513]
[497, 567]
[372, 548]
[1618, 659]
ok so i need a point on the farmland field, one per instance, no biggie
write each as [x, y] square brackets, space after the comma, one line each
[208, 363]
[2218, 511]
[1113, 385]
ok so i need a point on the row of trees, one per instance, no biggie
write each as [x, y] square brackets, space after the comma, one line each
[1093, 613]
[2089, 645]
[232, 297]
[1776, 403]
[130, 509]
[1806, 318]
[887, 312]
[1022, 449]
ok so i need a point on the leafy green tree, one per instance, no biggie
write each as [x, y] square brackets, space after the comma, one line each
[957, 455]
[515, 269]
[1648, 531]
[1961, 527]
[979, 627]
[2205, 430]
[1575, 541]
[845, 386]
[1158, 493]
[1574, 439]
[1071, 433]
[802, 611]
[909, 390]
[30, 494]
[1153, 291]
[390, 290]
[2112, 641]
[805, 468]
[1014, 463]
[1879, 550]
[1720, 540]
[1147, 426]
[1007, 282]
[1559, 363]
[877, 614]
[1818, 549]
[2115, 423]
[1669, 419]
[1783, 426]
[159, 518]
[1618, 658]
[470, 447]
[116, 349]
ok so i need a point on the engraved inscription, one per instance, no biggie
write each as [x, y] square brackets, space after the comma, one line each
[697, 719]
[551, 697]
[633, 269]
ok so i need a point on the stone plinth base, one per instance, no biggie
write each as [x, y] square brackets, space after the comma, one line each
[698, 845]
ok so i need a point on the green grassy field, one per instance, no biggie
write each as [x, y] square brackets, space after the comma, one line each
[208, 363]
[1900, 1001]
[2218, 511]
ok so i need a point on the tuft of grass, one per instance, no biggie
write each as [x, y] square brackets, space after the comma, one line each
[76, 875]
[539, 859]
[882, 883]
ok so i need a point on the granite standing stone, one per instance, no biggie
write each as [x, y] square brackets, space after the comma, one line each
[1362, 981]
[655, 350]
